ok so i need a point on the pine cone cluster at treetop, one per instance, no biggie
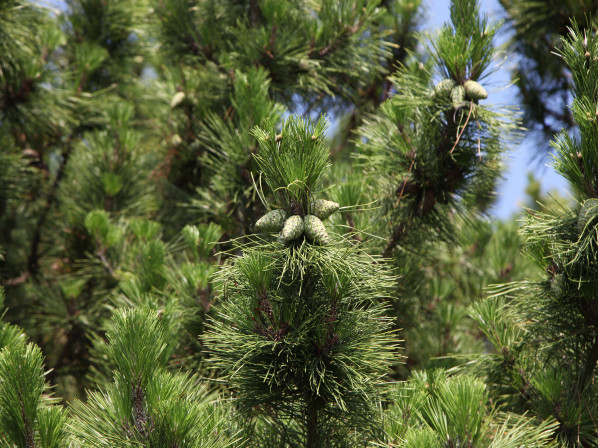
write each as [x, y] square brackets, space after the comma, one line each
[470, 90]
[294, 226]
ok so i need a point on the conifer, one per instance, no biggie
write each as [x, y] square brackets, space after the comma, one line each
[301, 333]
[432, 155]
[434, 410]
[544, 332]
[124, 122]
[543, 79]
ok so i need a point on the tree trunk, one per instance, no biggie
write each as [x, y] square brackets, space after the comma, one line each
[313, 435]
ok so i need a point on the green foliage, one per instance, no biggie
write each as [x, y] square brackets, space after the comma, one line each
[130, 132]
[465, 48]
[232, 65]
[427, 156]
[293, 163]
[434, 410]
[136, 343]
[202, 239]
[145, 404]
[137, 124]
[543, 79]
[230, 150]
[9, 334]
[32, 102]
[436, 290]
[109, 169]
[544, 338]
[100, 41]
[22, 385]
[172, 278]
[431, 157]
[27, 417]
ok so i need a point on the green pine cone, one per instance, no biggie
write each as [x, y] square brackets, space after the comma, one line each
[293, 228]
[323, 208]
[315, 230]
[587, 214]
[271, 221]
[458, 96]
[474, 91]
[444, 87]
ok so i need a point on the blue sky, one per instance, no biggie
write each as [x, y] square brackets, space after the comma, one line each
[512, 189]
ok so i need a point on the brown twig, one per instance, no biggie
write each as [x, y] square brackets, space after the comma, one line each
[101, 254]
[354, 233]
[462, 129]
[254, 12]
[404, 184]
[479, 140]
[394, 239]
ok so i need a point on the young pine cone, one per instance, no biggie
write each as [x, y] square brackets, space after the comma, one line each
[315, 230]
[323, 209]
[474, 91]
[293, 228]
[271, 221]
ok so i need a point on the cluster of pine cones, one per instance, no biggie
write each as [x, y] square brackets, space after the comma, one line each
[470, 90]
[292, 227]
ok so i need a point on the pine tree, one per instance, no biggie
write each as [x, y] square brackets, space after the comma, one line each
[141, 124]
[35, 111]
[301, 334]
[432, 157]
[79, 152]
[125, 121]
[544, 332]
[225, 66]
[144, 404]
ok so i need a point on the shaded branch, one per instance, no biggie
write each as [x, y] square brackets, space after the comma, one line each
[590, 365]
[33, 259]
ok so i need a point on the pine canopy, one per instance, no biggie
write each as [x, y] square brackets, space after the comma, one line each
[262, 223]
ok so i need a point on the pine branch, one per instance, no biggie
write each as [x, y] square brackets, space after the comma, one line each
[29, 441]
[68, 354]
[254, 12]
[33, 259]
[313, 434]
[452, 173]
[395, 238]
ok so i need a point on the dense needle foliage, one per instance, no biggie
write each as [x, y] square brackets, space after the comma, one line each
[265, 223]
